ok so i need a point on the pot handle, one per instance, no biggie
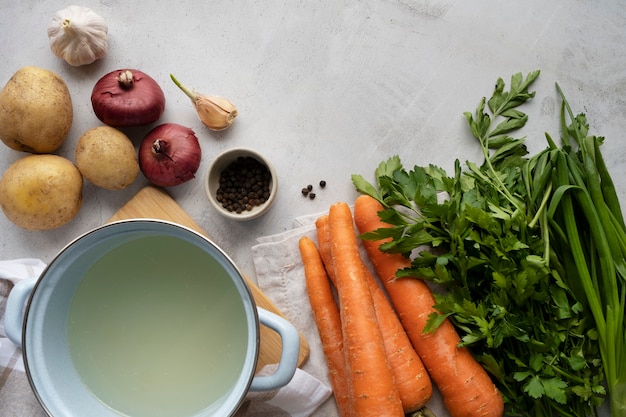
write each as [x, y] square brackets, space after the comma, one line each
[288, 357]
[13, 314]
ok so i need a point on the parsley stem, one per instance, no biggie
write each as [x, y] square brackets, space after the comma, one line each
[502, 189]
[542, 207]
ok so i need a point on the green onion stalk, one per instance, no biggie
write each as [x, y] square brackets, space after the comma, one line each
[588, 231]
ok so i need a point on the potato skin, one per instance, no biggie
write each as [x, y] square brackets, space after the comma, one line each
[36, 111]
[41, 192]
[107, 158]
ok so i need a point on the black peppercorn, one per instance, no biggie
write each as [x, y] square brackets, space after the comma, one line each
[322, 183]
[244, 183]
[311, 196]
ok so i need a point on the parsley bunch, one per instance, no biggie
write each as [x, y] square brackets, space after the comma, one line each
[496, 238]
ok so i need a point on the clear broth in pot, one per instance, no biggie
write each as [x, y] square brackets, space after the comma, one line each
[157, 328]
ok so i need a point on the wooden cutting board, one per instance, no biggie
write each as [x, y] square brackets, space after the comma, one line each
[154, 203]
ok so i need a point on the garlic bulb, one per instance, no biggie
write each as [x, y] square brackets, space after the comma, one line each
[78, 35]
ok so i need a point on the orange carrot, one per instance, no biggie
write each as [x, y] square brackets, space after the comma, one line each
[326, 315]
[466, 388]
[412, 380]
[373, 388]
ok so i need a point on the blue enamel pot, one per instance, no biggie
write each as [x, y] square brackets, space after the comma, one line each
[143, 318]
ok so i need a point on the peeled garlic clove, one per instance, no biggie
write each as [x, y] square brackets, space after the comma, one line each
[78, 35]
[216, 113]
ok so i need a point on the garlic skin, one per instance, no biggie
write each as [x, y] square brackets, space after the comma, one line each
[216, 113]
[78, 35]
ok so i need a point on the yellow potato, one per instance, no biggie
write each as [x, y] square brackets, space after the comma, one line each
[41, 192]
[35, 111]
[107, 158]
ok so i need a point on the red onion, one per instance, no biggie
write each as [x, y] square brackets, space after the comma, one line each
[127, 97]
[169, 155]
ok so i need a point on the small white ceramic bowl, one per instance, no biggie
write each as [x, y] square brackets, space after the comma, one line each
[212, 180]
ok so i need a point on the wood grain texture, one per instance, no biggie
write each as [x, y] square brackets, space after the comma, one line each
[154, 203]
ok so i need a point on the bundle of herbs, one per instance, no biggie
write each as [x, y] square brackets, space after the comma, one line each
[529, 253]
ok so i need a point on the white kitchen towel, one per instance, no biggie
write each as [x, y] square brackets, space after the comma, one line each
[18, 269]
[300, 398]
[16, 397]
